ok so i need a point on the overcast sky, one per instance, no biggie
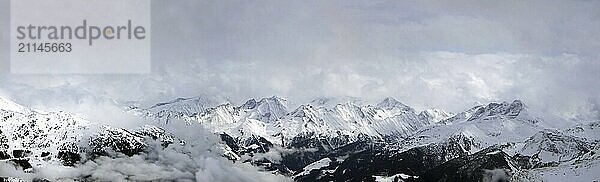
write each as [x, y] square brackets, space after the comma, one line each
[445, 54]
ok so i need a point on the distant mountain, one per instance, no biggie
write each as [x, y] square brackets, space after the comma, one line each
[495, 123]
[180, 108]
[435, 115]
[344, 123]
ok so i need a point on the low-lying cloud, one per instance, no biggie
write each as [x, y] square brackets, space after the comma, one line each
[198, 160]
[426, 54]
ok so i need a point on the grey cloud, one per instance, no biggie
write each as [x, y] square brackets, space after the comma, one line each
[313, 30]
[427, 53]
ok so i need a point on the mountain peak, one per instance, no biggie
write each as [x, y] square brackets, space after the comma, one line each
[496, 109]
[517, 106]
[274, 98]
[249, 104]
[179, 108]
[330, 102]
[390, 103]
[180, 99]
[269, 109]
[273, 102]
[434, 115]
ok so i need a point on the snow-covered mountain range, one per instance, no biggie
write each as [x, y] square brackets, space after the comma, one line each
[31, 138]
[271, 119]
[325, 141]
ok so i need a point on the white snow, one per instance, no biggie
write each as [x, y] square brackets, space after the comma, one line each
[314, 166]
[393, 177]
[582, 171]
[492, 153]
[39, 131]
[269, 119]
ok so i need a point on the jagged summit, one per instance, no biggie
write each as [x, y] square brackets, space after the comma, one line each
[303, 111]
[180, 108]
[499, 109]
[329, 102]
[388, 120]
[343, 122]
[391, 103]
[490, 111]
[267, 109]
[185, 103]
[320, 101]
[169, 102]
[249, 104]
[435, 115]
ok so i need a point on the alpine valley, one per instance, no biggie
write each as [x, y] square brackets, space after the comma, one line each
[327, 139]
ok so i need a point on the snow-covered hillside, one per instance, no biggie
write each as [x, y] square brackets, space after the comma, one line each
[48, 135]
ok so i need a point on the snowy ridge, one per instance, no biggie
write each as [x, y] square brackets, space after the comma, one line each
[33, 138]
[267, 109]
[111, 139]
[270, 119]
[38, 138]
[180, 108]
[435, 115]
[39, 132]
[496, 123]
[551, 146]
[588, 130]
[495, 110]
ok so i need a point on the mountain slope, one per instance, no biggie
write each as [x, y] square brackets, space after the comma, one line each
[496, 123]
[47, 134]
[34, 139]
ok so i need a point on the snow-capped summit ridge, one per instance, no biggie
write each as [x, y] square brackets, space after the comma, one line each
[388, 120]
[390, 103]
[499, 109]
[329, 102]
[435, 115]
[180, 108]
[303, 111]
[490, 111]
[249, 104]
[267, 109]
